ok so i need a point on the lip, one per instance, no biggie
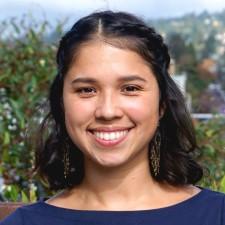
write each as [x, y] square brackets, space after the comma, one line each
[109, 143]
[109, 129]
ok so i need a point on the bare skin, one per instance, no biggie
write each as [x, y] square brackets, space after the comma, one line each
[117, 177]
[122, 190]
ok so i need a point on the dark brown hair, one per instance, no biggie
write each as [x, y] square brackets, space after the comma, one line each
[126, 31]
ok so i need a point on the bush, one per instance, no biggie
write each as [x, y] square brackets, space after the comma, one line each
[27, 66]
[211, 141]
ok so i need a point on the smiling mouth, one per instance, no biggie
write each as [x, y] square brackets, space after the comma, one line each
[109, 138]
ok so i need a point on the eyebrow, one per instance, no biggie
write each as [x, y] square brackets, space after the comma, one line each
[121, 79]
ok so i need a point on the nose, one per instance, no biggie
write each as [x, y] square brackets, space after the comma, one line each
[108, 107]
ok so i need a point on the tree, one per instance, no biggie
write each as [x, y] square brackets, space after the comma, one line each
[209, 46]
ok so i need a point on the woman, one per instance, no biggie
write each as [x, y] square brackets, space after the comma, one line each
[119, 138]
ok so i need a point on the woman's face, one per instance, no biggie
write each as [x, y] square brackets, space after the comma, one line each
[111, 103]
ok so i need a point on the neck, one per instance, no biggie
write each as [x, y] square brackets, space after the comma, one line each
[116, 187]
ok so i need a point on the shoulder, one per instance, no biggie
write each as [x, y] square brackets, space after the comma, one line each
[211, 206]
[13, 219]
[27, 211]
[209, 197]
[217, 196]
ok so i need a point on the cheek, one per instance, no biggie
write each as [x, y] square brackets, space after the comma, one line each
[142, 109]
[77, 113]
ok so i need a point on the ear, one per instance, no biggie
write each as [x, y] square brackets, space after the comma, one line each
[162, 110]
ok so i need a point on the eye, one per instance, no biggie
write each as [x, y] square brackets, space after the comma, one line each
[131, 89]
[86, 91]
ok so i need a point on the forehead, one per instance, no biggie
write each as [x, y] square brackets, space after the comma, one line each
[99, 58]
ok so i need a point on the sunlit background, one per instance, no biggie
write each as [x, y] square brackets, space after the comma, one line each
[184, 24]
[148, 8]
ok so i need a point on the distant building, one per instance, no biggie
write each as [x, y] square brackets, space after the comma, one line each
[181, 81]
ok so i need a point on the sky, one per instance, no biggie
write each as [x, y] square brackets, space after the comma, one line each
[150, 9]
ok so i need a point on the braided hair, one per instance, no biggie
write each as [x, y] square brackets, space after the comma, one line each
[122, 30]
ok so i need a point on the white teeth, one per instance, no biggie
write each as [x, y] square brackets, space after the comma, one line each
[110, 136]
[106, 136]
[117, 134]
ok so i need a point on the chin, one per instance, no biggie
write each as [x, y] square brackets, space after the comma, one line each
[107, 163]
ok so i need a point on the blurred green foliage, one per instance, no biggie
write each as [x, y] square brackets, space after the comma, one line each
[211, 141]
[27, 66]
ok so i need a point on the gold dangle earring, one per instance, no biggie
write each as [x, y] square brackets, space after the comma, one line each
[155, 153]
[66, 161]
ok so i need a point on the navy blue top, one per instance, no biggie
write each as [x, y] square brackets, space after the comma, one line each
[205, 208]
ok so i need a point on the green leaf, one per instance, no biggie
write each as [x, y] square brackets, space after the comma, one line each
[222, 184]
[25, 199]
[6, 139]
[209, 133]
[33, 196]
[11, 193]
